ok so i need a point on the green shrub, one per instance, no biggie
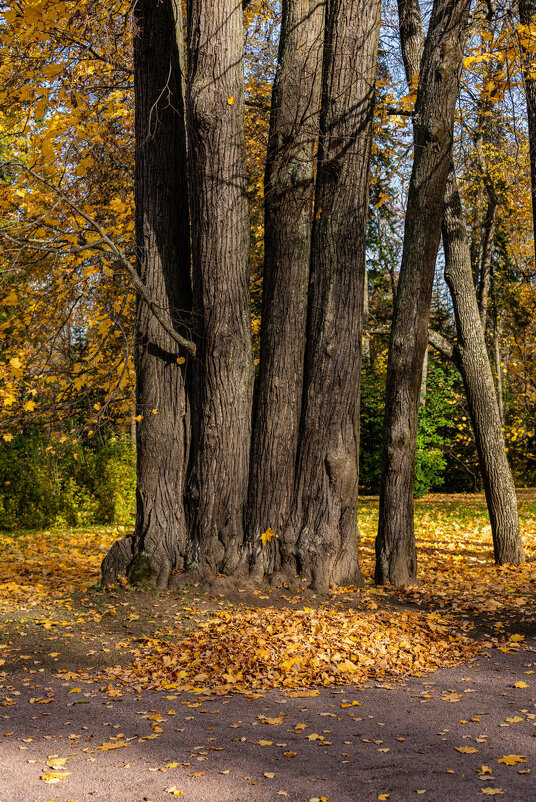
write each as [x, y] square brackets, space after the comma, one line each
[57, 481]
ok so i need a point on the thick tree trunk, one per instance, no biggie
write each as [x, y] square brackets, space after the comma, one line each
[396, 560]
[163, 265]
[289, 187]
[220, 242]
[321, 541]
[472, 359]
[527, 16]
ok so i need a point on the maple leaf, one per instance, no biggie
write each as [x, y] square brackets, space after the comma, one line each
[267, 536]
[466, 750]
[520, 684]
[492, 791]
[512, 760]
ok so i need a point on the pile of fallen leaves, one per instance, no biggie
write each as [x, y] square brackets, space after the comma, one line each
[351, 637]
[272, 648]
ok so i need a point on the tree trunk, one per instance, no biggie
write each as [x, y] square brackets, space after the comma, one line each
[396, 560]
[498, 366]
[321, 541]
[527, 16]
[470, 356]
[485, 260]
[163, 264]
[218, 478]
[289, 187]
[472, 359]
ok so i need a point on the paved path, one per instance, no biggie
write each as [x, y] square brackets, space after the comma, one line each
[394, 742]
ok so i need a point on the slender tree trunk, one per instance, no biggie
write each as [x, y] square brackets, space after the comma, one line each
[424, 377]
[396, 560]
[289, 187]
[485, 260]
[366, 314]
[321, 540]
[470, 356]
[472, 359]
[527, 16]
[220, 242]
[498, 367]
[163, 265]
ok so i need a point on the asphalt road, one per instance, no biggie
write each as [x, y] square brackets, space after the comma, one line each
[380, 741]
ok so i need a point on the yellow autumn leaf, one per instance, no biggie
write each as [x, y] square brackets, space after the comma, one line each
[466, 750]
[230, 101]
[53, 777]
[492, 791]
[520, 684]
[267, 536]
[56, 761]
[29, 406]
[512, 760]
[172, 789]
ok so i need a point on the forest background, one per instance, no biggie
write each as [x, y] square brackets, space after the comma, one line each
[67, 398]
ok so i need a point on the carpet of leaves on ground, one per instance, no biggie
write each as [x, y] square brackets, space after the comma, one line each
[289, 640]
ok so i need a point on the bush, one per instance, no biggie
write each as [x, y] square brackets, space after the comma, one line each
[56, 481]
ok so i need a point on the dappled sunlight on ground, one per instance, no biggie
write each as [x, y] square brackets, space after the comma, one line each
[463, 604]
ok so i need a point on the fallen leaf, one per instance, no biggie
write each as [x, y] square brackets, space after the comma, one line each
[466, 750]
[512, 760]
[492, 791]
[54, 776]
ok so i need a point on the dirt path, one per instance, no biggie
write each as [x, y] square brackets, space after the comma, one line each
[380, 741]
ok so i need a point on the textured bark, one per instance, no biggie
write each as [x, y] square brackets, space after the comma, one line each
[470, 356]
[220, 241]
[472, 359]
[485, 259]
[498, 367]
[396, 560]
[321, 542]
[289, 187]
[163, 265]
[412, 38]
[527, 16]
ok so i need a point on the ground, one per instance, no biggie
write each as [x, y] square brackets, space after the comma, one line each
[134, 696]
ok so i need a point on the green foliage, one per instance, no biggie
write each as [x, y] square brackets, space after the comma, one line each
[439, 423]
[57, 481]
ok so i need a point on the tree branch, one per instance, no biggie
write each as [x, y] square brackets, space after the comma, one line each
[435, 339]
[115, 250]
